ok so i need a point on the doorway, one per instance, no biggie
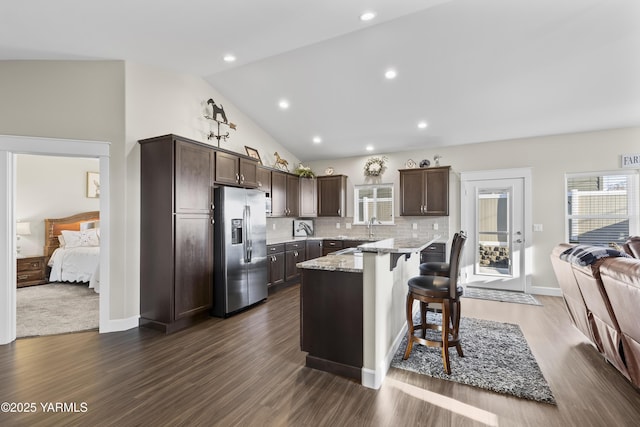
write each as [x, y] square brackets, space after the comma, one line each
[495, 214]
[9, 147]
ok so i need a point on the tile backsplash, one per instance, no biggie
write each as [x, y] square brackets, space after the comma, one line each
[423, 227]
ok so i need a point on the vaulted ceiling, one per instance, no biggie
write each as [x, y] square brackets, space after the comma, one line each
[471, 70]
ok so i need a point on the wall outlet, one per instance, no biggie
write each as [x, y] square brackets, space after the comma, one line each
[337, 225]
[537, 227]
[435, 226]
[274, 225]
[348, 225]
[415, 226]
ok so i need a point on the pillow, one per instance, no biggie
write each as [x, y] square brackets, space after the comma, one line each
[75, 239]
[586, 255]
[61, 241]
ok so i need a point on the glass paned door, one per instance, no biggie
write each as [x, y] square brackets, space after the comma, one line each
[494, 217]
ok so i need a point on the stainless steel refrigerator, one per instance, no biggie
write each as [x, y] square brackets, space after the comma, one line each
[240, 249]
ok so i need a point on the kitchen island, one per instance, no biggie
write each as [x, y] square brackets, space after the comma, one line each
[352, 307]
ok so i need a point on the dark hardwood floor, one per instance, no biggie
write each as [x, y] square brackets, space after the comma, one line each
[249, 370]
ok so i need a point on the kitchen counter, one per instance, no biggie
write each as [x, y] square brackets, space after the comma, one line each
[353, 262]
[348, 262]
[352, 315]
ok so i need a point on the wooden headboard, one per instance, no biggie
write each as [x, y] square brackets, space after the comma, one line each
[53, 228]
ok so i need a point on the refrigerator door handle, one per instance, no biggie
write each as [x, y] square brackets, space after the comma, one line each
[248, 244]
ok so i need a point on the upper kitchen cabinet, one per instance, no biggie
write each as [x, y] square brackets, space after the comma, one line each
[308, 197]
[424, 191]
[194, 172]
[264, 179]
[293, 195]
[332, 195]
[284, 194]
[237, 170]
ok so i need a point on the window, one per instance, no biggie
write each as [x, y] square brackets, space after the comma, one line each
[602, 207]
[373, 201]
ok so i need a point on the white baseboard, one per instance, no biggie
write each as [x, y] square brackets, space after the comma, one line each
[545, 290]
[373, 379]
[117, 325]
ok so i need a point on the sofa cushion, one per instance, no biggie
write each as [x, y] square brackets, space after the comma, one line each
[586, 255]
[632, 246]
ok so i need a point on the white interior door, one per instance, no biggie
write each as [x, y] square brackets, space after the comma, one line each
[493, 215]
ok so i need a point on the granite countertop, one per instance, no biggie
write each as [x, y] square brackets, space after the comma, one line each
[349, 263]
[353, 262]
[302, 239]
[397, 245]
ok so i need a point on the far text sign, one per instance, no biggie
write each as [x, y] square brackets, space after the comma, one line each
[631, 160]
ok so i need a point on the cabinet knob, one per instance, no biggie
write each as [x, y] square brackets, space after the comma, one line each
[295, 254]
[339, 210]
[241, 178]
[237, 177]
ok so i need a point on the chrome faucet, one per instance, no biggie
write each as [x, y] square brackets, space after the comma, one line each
[372, 221]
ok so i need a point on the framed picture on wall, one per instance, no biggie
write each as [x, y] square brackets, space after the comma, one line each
[93, 185]
[253, 153]
[303, 227]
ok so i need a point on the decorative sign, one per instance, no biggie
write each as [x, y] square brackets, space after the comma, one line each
[631, 160]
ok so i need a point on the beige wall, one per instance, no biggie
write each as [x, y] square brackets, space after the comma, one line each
[549, 157]
[74, 100]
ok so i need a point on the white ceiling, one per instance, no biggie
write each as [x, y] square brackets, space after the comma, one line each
[474, 70]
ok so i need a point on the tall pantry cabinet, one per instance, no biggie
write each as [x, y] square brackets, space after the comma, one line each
[176, 232]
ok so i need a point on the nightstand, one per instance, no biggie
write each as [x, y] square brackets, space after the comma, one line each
[31, 271]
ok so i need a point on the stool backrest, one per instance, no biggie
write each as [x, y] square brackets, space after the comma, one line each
[454, 261]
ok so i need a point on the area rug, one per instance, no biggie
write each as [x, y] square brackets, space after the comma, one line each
[496, 358]
[55, 308]
[502, 296]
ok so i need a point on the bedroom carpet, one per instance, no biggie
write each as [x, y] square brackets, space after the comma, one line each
[496, 357]
[56, 308]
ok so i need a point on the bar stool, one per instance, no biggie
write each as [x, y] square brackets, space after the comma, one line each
[438, 290]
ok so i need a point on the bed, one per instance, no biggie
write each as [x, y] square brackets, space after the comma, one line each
[72, 248]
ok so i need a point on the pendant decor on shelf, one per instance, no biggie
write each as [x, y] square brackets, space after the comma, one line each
[220, 117]
[375, 166]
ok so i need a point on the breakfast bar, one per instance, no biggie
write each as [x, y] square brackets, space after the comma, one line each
[352, 307]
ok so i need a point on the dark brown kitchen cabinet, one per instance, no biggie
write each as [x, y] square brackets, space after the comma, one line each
[314, 249]
[275, 264]
[294, 253]
[293, 195]
[332, 195]
[308, 198]
[176, 233]
[285, 196]
[424, 191]
[435, 252]
[329, 246]
[232, 169]
[264, 179]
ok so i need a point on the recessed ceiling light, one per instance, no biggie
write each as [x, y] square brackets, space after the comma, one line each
[369, 148]
[390, 74]
[283, 104]
[317, 140]
[422, 125]
[229, 58]
[367, 16]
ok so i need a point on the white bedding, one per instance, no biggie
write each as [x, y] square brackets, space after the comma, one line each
[80, 264]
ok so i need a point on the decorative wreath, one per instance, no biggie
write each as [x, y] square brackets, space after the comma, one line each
[375, 166]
